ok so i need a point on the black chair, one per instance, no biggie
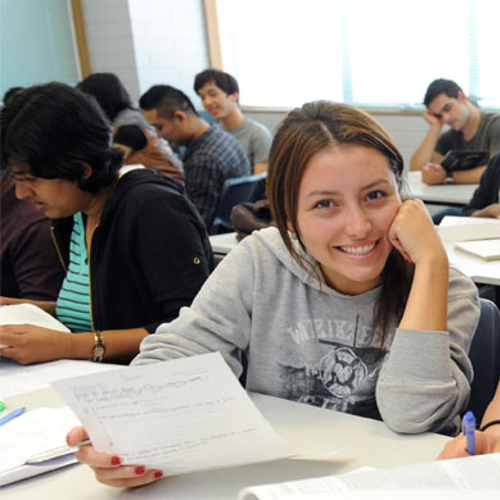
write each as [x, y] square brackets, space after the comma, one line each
[234, 191]
[485, 357]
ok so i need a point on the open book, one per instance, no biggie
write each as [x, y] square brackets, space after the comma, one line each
[30, 314]
[472, 473]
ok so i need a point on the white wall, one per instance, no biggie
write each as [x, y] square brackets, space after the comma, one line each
[146, 42]
[110, 42]
[170, 42]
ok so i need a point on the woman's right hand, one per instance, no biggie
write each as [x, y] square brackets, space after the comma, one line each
[107, 468]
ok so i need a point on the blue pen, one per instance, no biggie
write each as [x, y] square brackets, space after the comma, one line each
[12, 415]
[468, 430]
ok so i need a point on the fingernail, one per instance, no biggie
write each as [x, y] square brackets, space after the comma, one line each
[158, 474]
[115, 460]
[140, 470]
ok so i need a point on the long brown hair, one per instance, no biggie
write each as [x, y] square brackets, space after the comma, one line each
[311, 129]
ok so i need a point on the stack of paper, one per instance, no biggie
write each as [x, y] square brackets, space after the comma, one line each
[468, 228]
[486, 249]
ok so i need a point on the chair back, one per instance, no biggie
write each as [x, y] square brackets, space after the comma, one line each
[235, 191]
[485, 357]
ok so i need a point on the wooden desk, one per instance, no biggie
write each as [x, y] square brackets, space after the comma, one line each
[443, 194]
[352, 442]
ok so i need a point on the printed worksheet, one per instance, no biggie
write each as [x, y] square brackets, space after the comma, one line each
[179, 416]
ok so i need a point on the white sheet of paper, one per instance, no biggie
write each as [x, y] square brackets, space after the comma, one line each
[179, 416]
[471, 473]
[388, 494]
[17, 379]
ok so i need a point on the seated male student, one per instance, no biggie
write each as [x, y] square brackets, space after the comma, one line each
[470, 129]
[485, 200]
[219, 93]
[211, 155]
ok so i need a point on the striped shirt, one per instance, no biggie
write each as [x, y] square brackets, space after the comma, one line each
[73, 303]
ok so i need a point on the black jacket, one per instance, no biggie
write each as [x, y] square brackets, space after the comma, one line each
[487, 192]
[149, 255]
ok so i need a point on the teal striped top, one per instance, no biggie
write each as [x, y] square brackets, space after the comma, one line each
[73, 302]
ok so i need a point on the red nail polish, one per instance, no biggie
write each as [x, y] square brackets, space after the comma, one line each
[115, 460]
[140, 470]
[158, 474]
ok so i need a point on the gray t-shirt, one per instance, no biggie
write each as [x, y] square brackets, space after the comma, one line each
[306, 342]
[255, 139]
[487, 137]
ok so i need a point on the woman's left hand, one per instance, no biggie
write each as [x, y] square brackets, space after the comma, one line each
[413, 233]
[456, 448]
[29, 344]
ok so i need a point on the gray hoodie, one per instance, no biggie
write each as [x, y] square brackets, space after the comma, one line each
[306, 342]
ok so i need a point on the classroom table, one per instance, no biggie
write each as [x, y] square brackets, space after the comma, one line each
[441, 194]
[334, 443]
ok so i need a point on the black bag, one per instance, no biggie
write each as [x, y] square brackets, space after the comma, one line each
[248, 217]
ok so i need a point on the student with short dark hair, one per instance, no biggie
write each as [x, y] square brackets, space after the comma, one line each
[131, 131]
[219, 93]
[348, 304]
[470, 129]
[134, 247]
[211, 156]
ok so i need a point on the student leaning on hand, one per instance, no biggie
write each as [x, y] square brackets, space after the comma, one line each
[348, 304]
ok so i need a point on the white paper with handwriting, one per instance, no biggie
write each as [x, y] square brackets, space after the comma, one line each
[179, 416]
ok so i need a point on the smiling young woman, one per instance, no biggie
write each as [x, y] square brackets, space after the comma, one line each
[348, 304]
